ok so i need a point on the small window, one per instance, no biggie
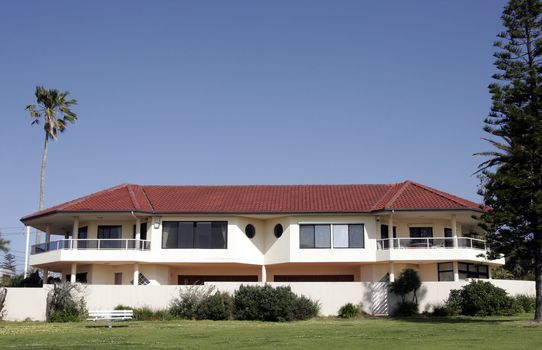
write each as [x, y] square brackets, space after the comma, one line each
[278, 230]
[446, 271]
[250, 231]
[118, 278]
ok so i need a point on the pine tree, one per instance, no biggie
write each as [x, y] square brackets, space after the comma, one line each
[9, 262]
[512, 176]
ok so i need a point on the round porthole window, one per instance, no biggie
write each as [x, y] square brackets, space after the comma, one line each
[278, 230]
[250, 231]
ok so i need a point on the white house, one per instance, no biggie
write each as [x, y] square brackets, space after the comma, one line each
[136, 234]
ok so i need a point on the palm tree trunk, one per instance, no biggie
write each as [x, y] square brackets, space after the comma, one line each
[42, 177]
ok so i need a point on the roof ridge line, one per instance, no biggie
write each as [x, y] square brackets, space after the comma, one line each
[391, 188]
[131, 194]
[147, 197]
[440, 193]
[404, 185]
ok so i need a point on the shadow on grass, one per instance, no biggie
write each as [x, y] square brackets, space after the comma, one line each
[106, 326]
[455, 319]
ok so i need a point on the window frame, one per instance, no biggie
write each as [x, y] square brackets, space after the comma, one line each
[332, 235]
[195, 233]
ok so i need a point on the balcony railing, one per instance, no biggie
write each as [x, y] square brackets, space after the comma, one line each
[430, 242]
[95, 244]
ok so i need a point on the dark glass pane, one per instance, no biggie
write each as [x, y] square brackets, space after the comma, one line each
[219, 233]
[421, 232]
[186, 235]
[446, 276]
[169, 234]
[82, 233]
[278, 230]
[447, 232]
[203, 235]
[443, 267]
[355, 236]
[322, 236]
[384, 232]
[143, 231]
[306, 236]
[250, 231]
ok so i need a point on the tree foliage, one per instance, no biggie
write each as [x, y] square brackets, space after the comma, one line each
[53, 110]
[511, 177]
[9, 262]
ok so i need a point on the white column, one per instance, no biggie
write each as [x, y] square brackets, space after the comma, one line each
[73, 273]
[26, 251]
[47, 240]
[454, 231]
[264, 274]
[392, 272]
[137, 244]
[136, 274]
[489, 272]
[75, 232]
[456, 270]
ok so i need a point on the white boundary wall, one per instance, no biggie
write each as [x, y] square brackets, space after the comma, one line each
[29, 303]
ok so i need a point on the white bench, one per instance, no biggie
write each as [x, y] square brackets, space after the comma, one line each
[110, 315]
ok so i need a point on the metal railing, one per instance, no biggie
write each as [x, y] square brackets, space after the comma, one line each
[95, 244]
[430, 243]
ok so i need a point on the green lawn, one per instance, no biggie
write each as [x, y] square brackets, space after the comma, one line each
[420, 333]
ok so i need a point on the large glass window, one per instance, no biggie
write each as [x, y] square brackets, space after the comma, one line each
[319, 236]
[421, 232]
[473, 271]
[195, 235]
[446, 272]
[112, 236]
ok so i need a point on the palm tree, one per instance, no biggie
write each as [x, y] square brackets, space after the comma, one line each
[53, 107]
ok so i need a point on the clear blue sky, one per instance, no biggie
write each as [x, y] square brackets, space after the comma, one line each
[244, 92]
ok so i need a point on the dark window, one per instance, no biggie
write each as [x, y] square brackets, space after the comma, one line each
[278, 230]
[82, 233]
[446, 271]
[421, 232]
[384, 232]
[110, 232]
[195, 235]
[313, 278]
[118, 278]
[197, 279]
[79, 277]
[250, 231]
[142, 231]
[473, 271]
[448, 242]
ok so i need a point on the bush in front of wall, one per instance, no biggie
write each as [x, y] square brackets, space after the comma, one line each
[526, 302]
[145, 313]
[265, 303]
[480, 298]
[217, 306]
[65, 303]
[186, 304]
[349, 311]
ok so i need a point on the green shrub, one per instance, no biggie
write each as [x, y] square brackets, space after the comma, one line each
[526, 302]
[186, 304]
[407, 282]
[440, 311]
[454, 302]
[305, 308]
[406, 309]
[218, 306]
[349, 311]
[64, 303]
[266, 303]
[145, 313]
[480, 298]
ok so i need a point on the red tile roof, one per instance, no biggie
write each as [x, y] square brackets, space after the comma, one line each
[264, 199]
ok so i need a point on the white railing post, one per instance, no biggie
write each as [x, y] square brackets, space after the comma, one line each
[98, 244]
[26, 251]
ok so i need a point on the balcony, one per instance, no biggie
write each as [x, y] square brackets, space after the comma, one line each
[430, 242]
[433, 249]
[91, 244]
